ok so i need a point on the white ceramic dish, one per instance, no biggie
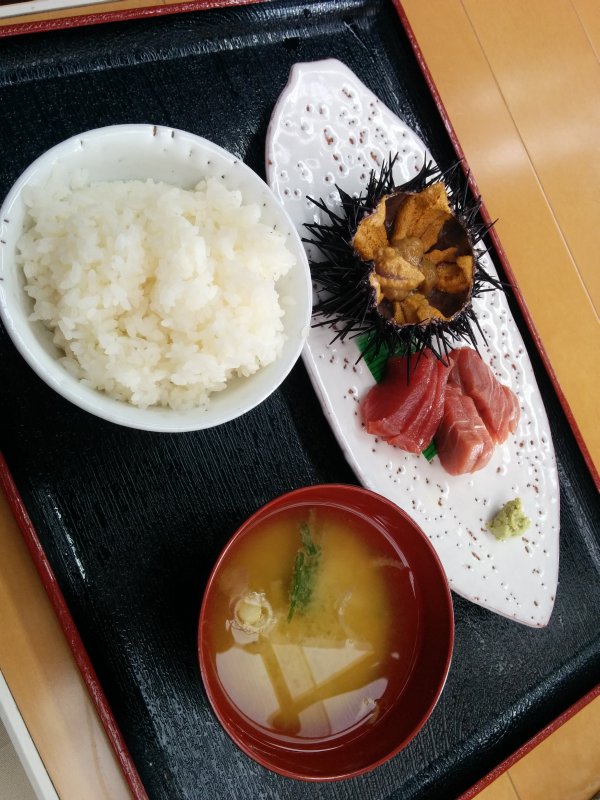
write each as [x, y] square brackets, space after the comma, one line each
[127, 152]
[329, 128]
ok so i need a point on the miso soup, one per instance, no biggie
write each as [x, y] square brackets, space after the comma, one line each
[313, 624]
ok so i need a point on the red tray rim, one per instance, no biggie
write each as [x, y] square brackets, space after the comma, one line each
[19, 511]
[67, 623]
[115, 15]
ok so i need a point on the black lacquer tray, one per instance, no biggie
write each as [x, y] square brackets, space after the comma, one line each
[131, 523]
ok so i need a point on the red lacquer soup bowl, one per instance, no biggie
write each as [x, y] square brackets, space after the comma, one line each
[326, 633]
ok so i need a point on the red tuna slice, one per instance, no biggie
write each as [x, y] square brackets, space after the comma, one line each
[496, 404]
[462, 441]
[419, 434]
[513, 411]
[393, 403]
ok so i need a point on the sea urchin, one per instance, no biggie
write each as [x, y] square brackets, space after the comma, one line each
[399, 262]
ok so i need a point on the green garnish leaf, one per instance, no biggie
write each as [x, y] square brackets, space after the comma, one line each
[430, 451]
[305, 567]
[376, 362]
[376, 359]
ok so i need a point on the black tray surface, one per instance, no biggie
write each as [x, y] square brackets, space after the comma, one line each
[132, 522]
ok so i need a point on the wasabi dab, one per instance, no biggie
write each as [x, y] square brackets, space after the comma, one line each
[509, 521]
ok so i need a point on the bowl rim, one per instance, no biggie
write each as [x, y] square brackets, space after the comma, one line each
[290, 498]
[157, 419]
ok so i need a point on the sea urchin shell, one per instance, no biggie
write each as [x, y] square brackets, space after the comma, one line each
[400, 263]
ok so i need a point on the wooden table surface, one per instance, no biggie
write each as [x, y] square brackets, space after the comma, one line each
[520, 83]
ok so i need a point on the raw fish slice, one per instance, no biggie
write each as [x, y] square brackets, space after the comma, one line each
[508, 418]
[496, 404]
[429, 420]
[514, 411]
[414, 420]
[462, 441]
[391, 402]
[419, 434]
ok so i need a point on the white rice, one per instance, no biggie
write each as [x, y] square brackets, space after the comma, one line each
[156, 295]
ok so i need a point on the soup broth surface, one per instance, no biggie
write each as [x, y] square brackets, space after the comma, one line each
[335, 663]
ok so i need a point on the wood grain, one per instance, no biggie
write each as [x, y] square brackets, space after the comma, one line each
[566, 765]
[501, 789]
[553, 96]
[45, 682]
[589, 17]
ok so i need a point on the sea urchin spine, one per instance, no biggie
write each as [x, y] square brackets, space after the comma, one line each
[348, 295]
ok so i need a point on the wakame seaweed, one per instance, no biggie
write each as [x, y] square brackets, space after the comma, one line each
[305, 567]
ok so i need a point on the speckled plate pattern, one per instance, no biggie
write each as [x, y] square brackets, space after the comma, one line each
[328, 128]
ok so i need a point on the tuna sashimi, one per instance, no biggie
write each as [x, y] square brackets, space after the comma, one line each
[394, 403]
[462, 406]
[462, 440]
[512, 416]
[419, 433]
[496, 404]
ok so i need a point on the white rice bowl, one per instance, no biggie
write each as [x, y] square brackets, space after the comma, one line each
[150, 277]
[157, 295]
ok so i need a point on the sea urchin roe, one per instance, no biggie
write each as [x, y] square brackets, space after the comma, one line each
[510, 520]
[343, 657]
[422, 258]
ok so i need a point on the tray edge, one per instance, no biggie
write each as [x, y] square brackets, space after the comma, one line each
[17, 506]
[70, 631]
[531, 744]
[101, 17]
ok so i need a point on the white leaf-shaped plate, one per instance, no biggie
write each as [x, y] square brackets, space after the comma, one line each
[328, 128]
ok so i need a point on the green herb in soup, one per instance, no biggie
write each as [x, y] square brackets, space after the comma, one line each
[305, 569]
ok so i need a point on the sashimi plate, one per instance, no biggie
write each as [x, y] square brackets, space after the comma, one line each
[329, 129]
